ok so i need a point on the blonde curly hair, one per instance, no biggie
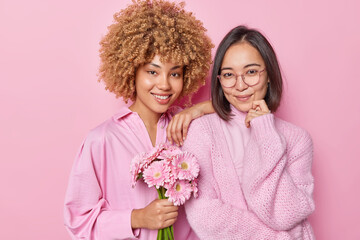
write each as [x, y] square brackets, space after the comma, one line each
[153, 27]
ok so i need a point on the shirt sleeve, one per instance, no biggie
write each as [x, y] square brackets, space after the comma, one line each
[277, 179]
[87, 214]
[211, 217]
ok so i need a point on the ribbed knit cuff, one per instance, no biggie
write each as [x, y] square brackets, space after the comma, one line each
[263, 126]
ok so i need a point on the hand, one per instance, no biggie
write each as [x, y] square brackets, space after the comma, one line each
[259, 108]
[159, 214]
[178, 127]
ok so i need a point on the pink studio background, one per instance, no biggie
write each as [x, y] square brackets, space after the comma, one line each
[50, 98]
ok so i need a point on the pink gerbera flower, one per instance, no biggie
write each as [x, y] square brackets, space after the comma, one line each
[154, 153]
[186, 166]
[136, 167]
[179, 192]
[169, 152]
[157, 174]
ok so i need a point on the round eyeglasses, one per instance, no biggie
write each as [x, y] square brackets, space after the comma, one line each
[250, 77]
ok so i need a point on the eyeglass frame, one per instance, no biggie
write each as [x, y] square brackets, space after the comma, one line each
[242, 78]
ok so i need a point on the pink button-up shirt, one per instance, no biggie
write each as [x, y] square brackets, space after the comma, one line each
[100, 199]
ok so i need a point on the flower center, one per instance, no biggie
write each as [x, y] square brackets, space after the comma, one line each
[184, 165]
[157, 175]
[178, 187]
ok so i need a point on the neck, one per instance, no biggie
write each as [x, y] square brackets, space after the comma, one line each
[149, 117]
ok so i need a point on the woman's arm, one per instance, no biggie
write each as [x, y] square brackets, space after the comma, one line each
[87, 213]
[277, 180]
[177, 129]
[211, 217]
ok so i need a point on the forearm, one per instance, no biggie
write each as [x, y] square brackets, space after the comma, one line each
[205, 107]
[214, 219]
[277, 181]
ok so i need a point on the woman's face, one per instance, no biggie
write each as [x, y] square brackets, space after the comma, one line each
[157, 85]
[242, 58]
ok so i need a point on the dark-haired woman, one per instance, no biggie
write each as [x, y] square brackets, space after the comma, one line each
[255, 180]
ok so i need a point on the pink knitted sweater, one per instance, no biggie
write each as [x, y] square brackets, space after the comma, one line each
[273, 197]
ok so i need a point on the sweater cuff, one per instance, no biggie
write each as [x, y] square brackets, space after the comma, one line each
[116, 224]
[263, 126]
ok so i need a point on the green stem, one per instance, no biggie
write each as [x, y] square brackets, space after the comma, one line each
[166, 234]
[160, 232]
[163, 192]
[172, 230]
[159, 193]
[169, 233]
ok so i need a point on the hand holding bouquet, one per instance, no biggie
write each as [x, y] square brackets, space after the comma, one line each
[171, 171]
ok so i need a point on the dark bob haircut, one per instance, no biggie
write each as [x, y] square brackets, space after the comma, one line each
[258, 41]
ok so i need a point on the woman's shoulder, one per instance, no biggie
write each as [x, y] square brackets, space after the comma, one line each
[206, 121]
[109, 127]
[98, 133]
[203, 127]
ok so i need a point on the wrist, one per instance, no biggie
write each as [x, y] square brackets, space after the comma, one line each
[136, 218]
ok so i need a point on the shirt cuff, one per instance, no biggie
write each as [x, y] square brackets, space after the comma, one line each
[115, 224]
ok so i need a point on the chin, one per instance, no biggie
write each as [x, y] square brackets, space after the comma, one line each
[243, 107]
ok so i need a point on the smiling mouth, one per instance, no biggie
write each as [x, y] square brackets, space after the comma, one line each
[243, 98]
[162, 97]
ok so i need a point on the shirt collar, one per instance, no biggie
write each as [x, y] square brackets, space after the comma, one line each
[124, 111]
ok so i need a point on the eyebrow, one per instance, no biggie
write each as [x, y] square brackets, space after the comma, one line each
[246, 66]
[157, 66]
[252, 64]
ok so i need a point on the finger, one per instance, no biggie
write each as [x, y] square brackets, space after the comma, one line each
[248, 119]
[167, 210]
[261, 104]
[178, 130]
[264, 107]
[169, 222]
[170, 208]
[250, 115]
[168, 132]
[173, 130]
[186, 127]
[166, 203]
[171, 215]
[256, 105]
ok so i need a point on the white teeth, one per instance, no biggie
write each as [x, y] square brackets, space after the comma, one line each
[162, 97]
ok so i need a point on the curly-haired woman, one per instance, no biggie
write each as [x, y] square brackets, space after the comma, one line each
[154, 53]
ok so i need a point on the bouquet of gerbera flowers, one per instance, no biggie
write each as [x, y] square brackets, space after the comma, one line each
[171, 171]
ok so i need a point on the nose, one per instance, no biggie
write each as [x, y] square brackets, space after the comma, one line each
[240, 85]
[163, 82]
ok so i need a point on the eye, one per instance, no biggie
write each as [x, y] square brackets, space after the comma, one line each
[151, 72]
[176, 75]
[251, 72]
[228, 75]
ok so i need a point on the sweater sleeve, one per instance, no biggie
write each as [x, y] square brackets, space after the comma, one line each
[277, 180]
[87, 214]
[209, 216]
